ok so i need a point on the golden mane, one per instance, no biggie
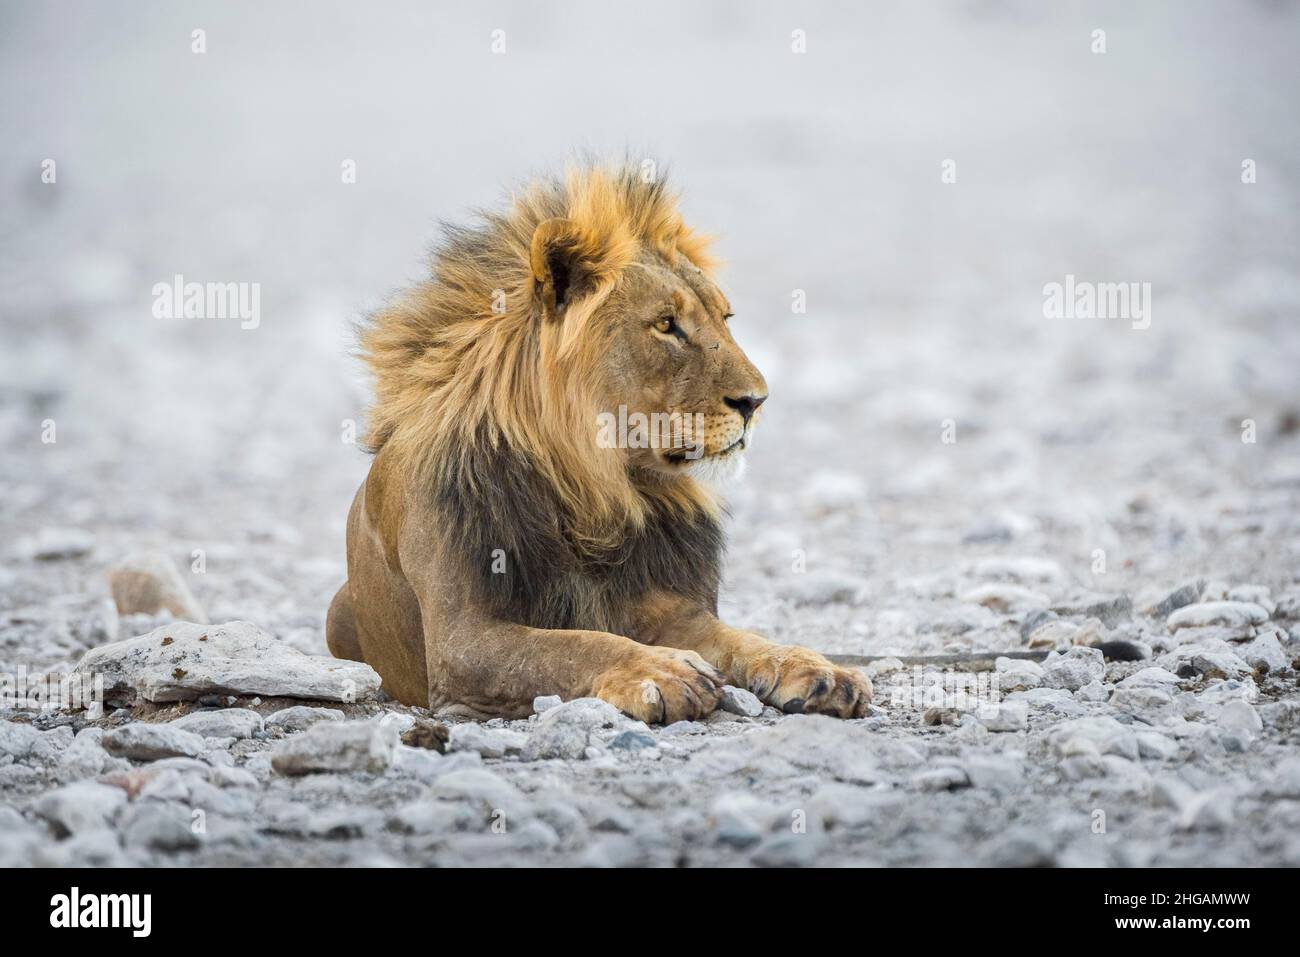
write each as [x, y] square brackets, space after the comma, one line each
[464, 359]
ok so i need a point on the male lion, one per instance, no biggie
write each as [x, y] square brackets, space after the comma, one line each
[502, 547]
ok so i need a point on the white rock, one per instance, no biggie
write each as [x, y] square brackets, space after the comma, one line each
[159, 825]
[1074, 668]
[1049, 634]
[489, 742]
[1051, 699]
[739, 819]
[1151, 678]
[301, 717]
[489, 795]
[337, 746]
[84, 806]
[739, 701]
[883, 666]
[22, 743]
[1209, 810]
[86, 756]
[1004, 716]
[1152, 703]
[1161, 604]
[1265, 652]
[995, 772]
[807, 743]
[1285, 781]
[546, 702]
[139, 741]
[182, 661]
[1094, 736]
[1152, 744]
[1223, 614]
[946, 777]
[567, 731]
[237, 723]
[1093, 691]
[1239, 718]
[1017, 675]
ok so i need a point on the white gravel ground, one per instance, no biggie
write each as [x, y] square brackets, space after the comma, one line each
[1091, 460]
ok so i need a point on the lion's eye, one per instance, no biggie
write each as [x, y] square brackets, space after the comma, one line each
[668, 326]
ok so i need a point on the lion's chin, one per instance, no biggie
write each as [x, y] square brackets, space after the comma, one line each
[717, 470]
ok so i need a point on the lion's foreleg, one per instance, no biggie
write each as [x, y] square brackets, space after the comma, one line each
[500, 667]
[789, 677]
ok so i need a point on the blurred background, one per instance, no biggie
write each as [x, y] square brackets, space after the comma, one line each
[819, 171]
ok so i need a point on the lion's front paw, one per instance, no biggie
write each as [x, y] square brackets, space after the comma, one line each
[798, 680]
[662, 685]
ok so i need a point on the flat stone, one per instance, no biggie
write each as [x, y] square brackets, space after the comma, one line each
[183, 661]
[489, 742]
[139, 741]
[301, 717]
[158, 825]
[84, 806]
[944, 778]
[1093, 736]
[337, 746]
[1151, 678]
[1223, 614]
[632, 741]
[742, 702]
[546, 702]
[237, 723]
[1150, 703]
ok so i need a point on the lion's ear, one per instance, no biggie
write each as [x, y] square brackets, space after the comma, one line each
[558, 264]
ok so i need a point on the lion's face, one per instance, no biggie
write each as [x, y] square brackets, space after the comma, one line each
[683, 394]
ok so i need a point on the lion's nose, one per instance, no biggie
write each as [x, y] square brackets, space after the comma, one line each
[746, 404]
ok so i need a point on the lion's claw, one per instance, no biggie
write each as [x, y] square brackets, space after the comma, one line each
[800, 681]
[662, 685]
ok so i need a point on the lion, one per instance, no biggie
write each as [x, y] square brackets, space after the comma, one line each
[504, 545]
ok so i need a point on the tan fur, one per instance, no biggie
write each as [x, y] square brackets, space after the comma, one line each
[492, 373]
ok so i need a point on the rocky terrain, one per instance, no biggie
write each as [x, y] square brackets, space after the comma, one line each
[942, 468]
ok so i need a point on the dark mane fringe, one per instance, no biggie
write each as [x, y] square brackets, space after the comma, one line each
[491, 498]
